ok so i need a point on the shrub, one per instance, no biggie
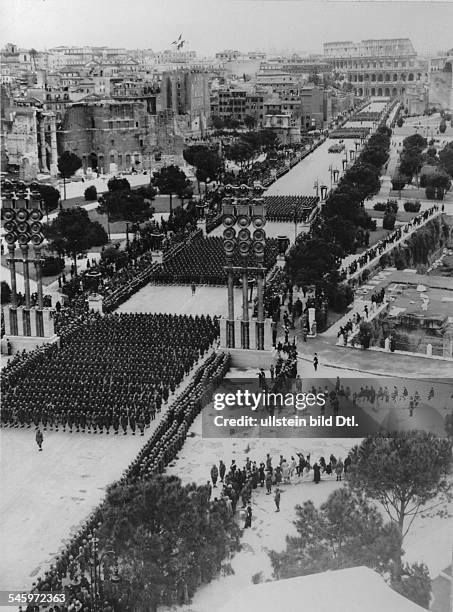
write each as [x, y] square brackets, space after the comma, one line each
[400, 260]
[112, 255]
[5, 293]
[442, 126]
[399, 182]
[400, 122]
[392, 206]
[384, 261]
[341, 297]
[91, 193]
[388, 222]
[52, 266]
[430, 192]
[439, 193]
[382, 206]
[412, 206]
[365, 334]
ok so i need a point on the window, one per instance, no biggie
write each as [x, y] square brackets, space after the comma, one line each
[112, 159]
[136, 124]
[112, 142]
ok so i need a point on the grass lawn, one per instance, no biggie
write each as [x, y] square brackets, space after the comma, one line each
[401, 215]
[161, 203]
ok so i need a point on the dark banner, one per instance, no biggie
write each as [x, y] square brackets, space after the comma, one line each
[328, 407]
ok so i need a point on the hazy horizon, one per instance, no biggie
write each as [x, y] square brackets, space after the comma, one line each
[210, 26]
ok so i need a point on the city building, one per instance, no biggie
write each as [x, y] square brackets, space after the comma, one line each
[441, 85]
[381, 68]
[238, 103]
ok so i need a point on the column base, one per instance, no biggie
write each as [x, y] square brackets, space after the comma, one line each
[245, 334]
[27, 343]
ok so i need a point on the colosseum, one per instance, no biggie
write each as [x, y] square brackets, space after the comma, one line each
[377, 68]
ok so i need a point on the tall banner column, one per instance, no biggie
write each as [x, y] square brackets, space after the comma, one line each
[230, 322]
[245, 331]
[39, 316]
[27, 324]
[260, 311]
[13, 307]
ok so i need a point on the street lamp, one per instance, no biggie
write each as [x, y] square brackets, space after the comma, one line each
[127, 234]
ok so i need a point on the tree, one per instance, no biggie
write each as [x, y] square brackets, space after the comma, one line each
[5, 293]
[414, 584]
[365, 334]
[72, 232]
[340, 231]
[239, 152]
[217, 122]
[125, 206]
[205, 159]
[415, 141]
[442, 126]
[249, 122]
[310, 259]
[363, 177]
[446, 158]
[118, 184]
[170, 180]
[400, 122]
[374, 156]
[68, 164]
[148, 192]
[411, 161]
[91, 193]
[112, 255]
[346, 531]
[404, 472]
[388, 222]
[399, 181]
[268, 139]
[169, 538]
[50, 197]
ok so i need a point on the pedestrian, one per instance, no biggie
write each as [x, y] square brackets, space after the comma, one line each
[315, 362]
[277, 499]
[316, 473]
[268, 482]
[194, 288]
[222, 470]
[214, 475]
[298, 384]
[248, 517]
[339, 469]
[39, 439]
[272, 371]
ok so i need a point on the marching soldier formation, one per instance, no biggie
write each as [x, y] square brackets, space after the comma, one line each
[111, 377]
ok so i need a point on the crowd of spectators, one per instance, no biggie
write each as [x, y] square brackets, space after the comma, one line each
[383, 245]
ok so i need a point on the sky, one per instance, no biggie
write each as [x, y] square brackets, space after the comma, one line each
[214, 25]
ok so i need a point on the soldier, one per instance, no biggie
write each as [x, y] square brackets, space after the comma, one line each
[39, 439]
